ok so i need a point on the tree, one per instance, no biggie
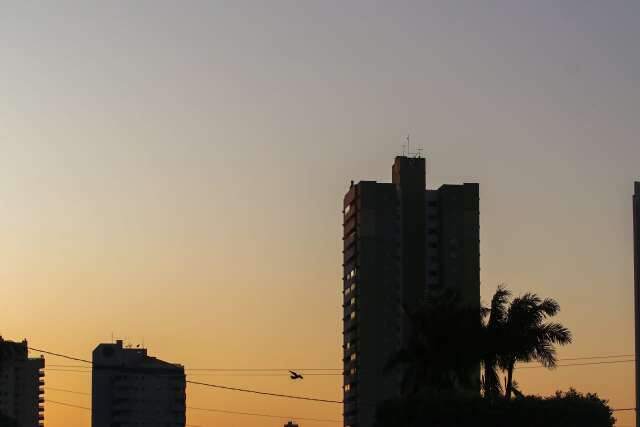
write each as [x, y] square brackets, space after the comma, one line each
[447, 409]
[442, 351]
[526, 336]
[493, 342]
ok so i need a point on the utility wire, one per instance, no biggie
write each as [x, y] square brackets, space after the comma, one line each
[88, 409]
[221, 387]
[222, 411]
[252, 414]
[61, 355]
[264, 393]
[67, 404]
[66, 391]
[609, 362]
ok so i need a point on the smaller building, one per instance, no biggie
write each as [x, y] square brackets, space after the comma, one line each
[21, 384]
[131, 388]
[291, 424]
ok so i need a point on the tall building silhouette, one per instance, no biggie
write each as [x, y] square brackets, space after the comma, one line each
[399, 240]
[130, 388]
[21, 384]
[636, 289]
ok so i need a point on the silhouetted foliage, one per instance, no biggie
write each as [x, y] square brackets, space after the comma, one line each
[449, 340]
[450, 409]
[526, 336]
[8, 421]
[443, 351]
[493, 343]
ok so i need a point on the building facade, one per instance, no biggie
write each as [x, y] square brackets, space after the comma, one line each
[399, 239]
[636, 258]
[130, 388]
[21, 385]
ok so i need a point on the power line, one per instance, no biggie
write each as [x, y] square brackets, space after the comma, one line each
[88, 409]
[609, 362]
[61, 355]
[67, 404]
[66, 391]
[253, 414]
[264, 393]
[222, 411]
[598, 357]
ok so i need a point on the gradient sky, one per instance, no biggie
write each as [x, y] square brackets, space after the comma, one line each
[172, 173]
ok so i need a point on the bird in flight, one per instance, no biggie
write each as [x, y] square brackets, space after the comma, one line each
[296, 376]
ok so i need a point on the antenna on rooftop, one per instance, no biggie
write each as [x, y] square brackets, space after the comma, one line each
[408, 145]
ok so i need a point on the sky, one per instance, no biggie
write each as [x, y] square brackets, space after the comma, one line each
[172, 174]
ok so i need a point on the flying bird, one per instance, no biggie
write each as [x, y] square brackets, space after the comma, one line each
[296, 376]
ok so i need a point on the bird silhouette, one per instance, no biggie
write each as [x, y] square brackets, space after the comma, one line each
[296, 376]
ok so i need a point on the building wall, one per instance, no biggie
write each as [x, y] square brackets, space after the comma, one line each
[21, 386]
[399, 238]
[131, 388]
[459, 240]
[372, 304]
[636, 252]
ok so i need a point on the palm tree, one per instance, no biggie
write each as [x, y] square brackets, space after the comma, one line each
[442, 349]
[527, 337]
[493, 341]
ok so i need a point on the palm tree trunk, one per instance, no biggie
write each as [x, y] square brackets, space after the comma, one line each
[488, 381]
[509, 388]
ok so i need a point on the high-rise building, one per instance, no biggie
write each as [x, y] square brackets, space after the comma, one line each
[636, 258]
[399, 240]
[131, 388]
[21, 384]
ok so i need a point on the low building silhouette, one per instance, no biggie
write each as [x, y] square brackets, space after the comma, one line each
[291, 424]
[21, 384]
[130, 388]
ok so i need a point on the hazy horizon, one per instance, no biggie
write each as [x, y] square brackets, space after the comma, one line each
[173, 173]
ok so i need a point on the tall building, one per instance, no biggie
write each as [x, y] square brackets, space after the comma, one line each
[399, 239]
[636, 258]
[21, 384]
[131, 388]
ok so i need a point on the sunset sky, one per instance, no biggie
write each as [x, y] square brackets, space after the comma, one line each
[172, 173]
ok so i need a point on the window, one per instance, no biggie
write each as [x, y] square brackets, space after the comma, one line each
[353, 301]
[353, 315]
[347, 209]
[347, 387]
[353, 357]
